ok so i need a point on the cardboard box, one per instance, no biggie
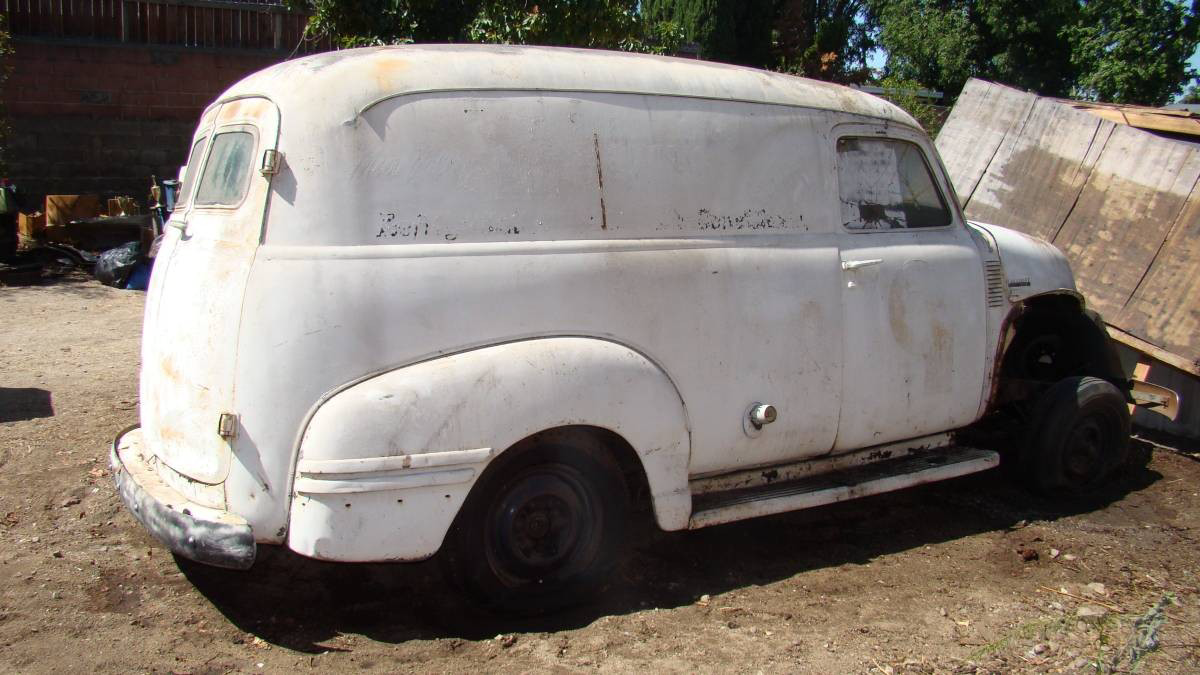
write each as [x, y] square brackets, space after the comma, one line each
[62, 209]
[31, 227]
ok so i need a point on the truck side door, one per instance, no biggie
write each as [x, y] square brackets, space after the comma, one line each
[913, 293]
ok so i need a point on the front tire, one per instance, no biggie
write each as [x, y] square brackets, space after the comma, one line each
[542, 530]
[1078, 436]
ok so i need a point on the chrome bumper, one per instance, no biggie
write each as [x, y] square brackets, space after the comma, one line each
[200, 533]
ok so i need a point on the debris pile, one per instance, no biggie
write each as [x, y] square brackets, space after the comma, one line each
[112, 237]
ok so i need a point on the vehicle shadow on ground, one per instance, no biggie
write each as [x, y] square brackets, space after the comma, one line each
[24, 403]
[299, 603]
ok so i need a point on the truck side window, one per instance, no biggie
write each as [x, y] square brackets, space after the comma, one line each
[193, 165]
[885, 184]
[225, 175]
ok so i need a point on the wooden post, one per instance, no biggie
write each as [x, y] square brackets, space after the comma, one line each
[277, 25]
[126, 22]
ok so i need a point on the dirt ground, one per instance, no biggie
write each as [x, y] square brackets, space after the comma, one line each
[972, 575]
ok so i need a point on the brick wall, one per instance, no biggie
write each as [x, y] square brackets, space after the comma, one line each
[101, 118]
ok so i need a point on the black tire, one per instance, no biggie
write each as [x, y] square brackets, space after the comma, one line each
[542, 530]
[1079, 434]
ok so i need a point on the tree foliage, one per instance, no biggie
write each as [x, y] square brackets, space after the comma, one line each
[612, 24]
[906, 94]
[1135, 51]
[828, 39]
[730, 31]
[1126, 51]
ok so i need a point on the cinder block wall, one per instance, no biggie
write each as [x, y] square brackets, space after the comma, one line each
[101, 118]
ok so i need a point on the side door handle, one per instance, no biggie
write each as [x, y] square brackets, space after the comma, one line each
[855, 264]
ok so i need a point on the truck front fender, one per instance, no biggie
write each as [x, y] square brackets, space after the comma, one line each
[385, 464]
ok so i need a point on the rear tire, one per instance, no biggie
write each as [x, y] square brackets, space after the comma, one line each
[1078, 436]
[541, 531]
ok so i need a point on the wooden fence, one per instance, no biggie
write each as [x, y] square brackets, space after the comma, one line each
[221, 24]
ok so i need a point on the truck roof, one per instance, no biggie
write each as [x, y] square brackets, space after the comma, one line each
[347, 82]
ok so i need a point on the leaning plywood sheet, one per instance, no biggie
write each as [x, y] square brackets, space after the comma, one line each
[1121, 202]
[1165, 307]
[1035, 177]
[981, 120]
[1132, 198]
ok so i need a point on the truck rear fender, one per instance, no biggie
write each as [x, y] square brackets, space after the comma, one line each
[419, 436]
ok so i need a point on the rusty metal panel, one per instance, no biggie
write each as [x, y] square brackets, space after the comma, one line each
[1036, 176]
[1132, 198]
[984, 116]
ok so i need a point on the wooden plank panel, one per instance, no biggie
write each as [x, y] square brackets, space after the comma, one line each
[982, 117]
[1165, 307]
[1032, 183]
[1134, 194]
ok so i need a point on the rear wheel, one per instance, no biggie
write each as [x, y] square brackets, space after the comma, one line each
[1078, 436]
[542, 530]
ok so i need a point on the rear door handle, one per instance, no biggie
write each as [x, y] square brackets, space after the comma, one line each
[855, 264]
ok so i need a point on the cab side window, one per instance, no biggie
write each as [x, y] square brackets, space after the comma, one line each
[885, 184]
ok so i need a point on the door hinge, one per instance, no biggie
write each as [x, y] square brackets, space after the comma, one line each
[227, 425]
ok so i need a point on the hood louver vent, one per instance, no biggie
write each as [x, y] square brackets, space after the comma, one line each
[995, 283]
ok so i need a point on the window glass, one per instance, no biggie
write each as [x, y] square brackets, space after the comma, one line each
[193, 165]
[885, 184]
[227, 170]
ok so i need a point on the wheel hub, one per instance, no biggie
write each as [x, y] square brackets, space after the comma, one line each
[1085, 450]
[542, 524]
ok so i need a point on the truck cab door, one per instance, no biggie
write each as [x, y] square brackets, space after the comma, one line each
[913, 293]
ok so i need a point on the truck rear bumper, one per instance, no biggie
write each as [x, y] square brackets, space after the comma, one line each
[200, 533]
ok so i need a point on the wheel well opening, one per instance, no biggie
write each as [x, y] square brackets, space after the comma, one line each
[595, 439]
[1053, 337]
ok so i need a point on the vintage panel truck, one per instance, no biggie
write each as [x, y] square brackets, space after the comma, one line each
[485, 300]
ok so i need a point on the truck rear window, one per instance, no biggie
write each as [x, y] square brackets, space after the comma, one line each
[228, 169]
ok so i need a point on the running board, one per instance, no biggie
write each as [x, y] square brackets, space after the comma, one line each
[839, 486]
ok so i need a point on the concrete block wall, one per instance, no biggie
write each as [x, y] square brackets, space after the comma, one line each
[102, 118]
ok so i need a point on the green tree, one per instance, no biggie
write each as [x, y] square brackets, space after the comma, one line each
[1134, 51]
[1125, 51]
[905, 93]
[730, 31]
[352, 23]
[825, 39]
[941, 43]
[934, 43]
[613, 24]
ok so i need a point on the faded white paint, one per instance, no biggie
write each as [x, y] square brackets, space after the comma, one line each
[1032, 266]
[464, 246]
